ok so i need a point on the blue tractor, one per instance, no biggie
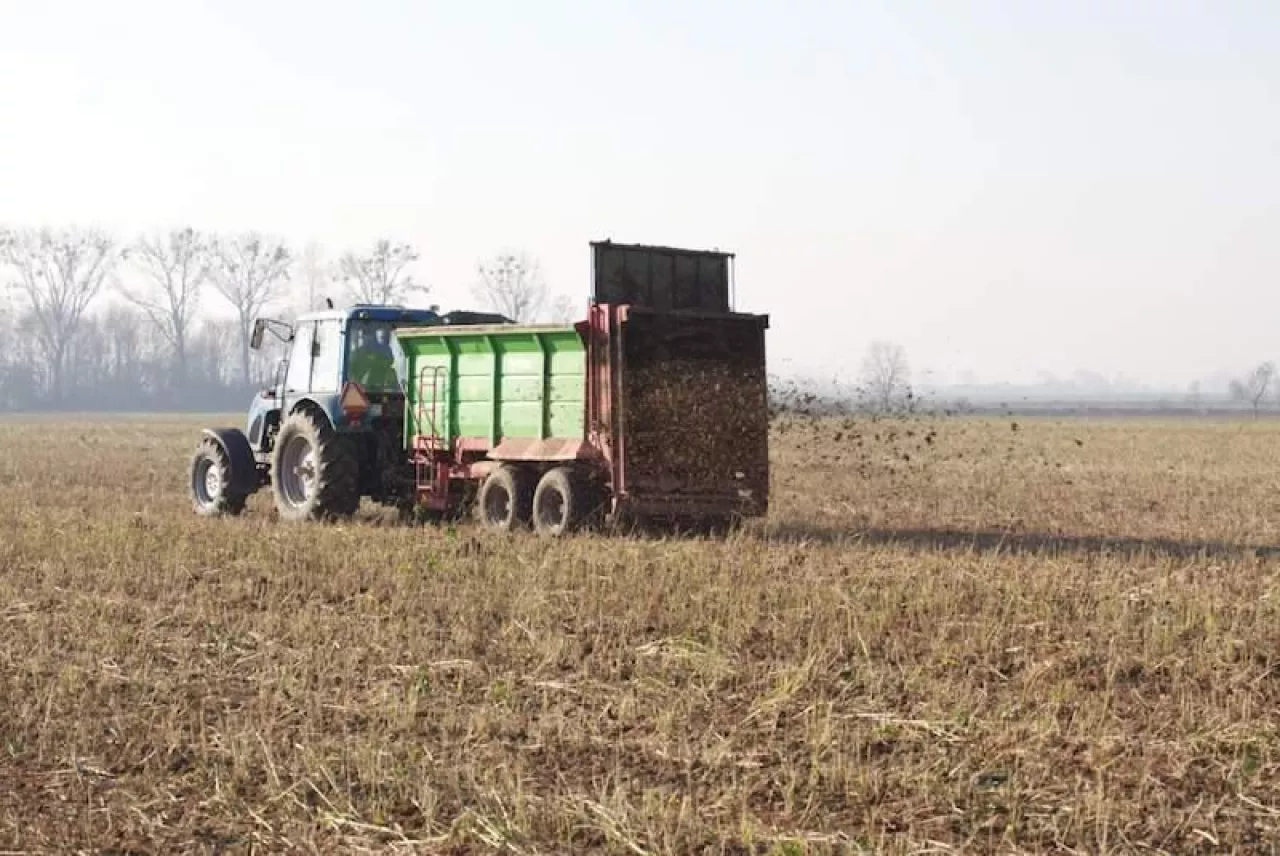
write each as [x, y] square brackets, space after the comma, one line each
[329, 430]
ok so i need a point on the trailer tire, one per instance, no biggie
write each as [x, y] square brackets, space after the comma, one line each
[332, 490]
[506, 498]
[213, 489]
[564, 502]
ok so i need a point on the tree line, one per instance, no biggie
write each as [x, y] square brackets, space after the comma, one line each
[1254, 388]
[93, 322]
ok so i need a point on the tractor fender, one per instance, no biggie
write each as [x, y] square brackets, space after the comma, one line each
[326, 404]
[244, 468]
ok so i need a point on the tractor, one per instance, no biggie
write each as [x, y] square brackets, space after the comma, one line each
[328, 431]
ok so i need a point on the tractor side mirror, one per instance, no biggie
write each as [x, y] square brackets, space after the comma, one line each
[259, 328]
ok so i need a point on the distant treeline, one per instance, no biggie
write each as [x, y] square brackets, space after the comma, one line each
[162, 322]
[91, 322]
[114, 362]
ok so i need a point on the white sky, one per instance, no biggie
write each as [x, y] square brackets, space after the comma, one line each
[1003, 187]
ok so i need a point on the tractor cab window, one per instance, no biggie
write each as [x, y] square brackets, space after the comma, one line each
[326, 354]
[371, 360]
[298, 378]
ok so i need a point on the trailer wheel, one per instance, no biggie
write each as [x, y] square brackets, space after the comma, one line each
[213, 492]
[564, 502]
[314, 472]
[506, 498]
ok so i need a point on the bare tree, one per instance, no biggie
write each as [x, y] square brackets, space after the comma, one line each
[885, 374]
[562, 310]
[250, 271]
[313, 273]
[18, 379]
[381, 275]
[177, 266]
[209, 357]
[512, 284]
[59, 272]
[124, 343]
[6, 322]
[1253, 389]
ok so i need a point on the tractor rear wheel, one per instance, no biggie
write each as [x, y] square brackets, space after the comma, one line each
[314, 472]
[506, 498]
[212, 494]
[564, 502]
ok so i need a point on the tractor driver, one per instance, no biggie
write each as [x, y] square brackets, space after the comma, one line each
[372, 362]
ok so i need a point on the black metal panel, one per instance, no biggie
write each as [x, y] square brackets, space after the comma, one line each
[661, 278]
[695, 415]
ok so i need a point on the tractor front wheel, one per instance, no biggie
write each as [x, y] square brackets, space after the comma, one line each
[212, 491]
[314, 472]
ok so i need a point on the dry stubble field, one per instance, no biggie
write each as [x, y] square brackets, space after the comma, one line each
[1060, 638]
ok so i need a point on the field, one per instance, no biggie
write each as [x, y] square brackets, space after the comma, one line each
[973, 635]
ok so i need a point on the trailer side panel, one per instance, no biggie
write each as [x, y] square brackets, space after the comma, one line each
[494, 390]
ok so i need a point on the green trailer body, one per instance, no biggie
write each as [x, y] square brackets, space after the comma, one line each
[663, 413]
[474, 387]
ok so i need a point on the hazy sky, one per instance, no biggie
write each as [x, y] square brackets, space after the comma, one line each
[1002, 187]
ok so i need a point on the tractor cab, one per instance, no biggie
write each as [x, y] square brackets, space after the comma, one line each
[342, 362]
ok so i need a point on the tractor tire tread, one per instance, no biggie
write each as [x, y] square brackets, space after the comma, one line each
[337, 490]
[339, 474]
[229, 502]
